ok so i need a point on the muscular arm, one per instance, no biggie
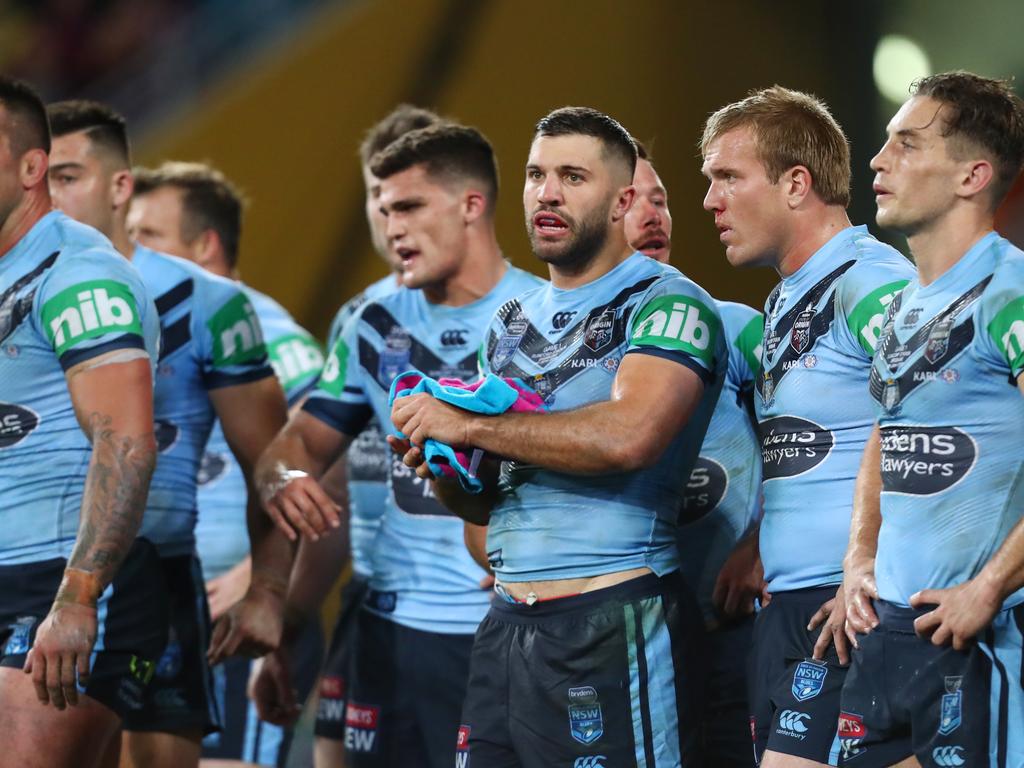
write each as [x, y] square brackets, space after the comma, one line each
[114, 406]
[965, 610]
[250, 415]
[652, 399]
[113, 403]
[286, 472]
[859, 586]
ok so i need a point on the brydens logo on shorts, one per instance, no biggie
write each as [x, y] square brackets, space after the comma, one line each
[462, 747]
[88, 310]
[361, 727]
[331, 706]
[851, 734]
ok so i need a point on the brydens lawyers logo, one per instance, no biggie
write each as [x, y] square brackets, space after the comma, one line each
[332, 687]
[462, 747]
[361, 727]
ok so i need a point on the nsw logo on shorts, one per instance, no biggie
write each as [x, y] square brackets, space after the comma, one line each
[808, 680]
[20, 639]
[586, 724]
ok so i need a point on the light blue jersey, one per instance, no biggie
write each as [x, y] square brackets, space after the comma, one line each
[813, 408]
[568, 344]
[368, 460]
[723, 496]
[66, 297]
[222, 538]
[423, 576]
[945, 382]
[210, 338]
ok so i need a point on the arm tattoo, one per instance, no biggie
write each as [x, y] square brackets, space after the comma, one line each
[115, 497]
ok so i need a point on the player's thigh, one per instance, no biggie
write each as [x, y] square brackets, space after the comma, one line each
[329, 752]
[778, 760]
[437, 665]
[158, 749]
[726, 725]
[37, 736]
[380, 717]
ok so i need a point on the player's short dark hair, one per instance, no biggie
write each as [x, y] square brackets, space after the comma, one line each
[584, 121]
[400, 121]
[104, 127]
[642, 152]
[28, 127]
[983, 112]
[208, 201]
[446, 151]
[790, 128]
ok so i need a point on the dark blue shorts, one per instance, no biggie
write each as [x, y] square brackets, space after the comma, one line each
[132, 623]
[336, 677]
[725, 730]
[906, 696]
[604, 679]
[180, 696]
[794, 700]
[406, 695]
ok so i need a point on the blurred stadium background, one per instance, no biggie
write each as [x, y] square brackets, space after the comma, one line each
[277, 93]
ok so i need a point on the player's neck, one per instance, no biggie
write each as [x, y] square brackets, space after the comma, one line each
[481, 270]
[33, 206]
[809, 234]
[615, 251]
[939, 246]
[119, 237]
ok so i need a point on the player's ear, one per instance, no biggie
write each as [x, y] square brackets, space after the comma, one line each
[33, 167]
[976, 177]
[207, 250]
[797, 184]
[623, 202]
[122, 184]
[474, 205]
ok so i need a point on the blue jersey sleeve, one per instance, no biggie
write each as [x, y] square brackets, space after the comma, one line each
[92, 303]
[865, 293]
[229, 335]
[677, 321]
[1002, 317]
[339, 399]
[745, 327]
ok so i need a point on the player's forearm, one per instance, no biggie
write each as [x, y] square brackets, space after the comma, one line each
[287, 456]
[114, 499]
[272, 553]
[599, 438]
[474, 508]
[318, 564]
[866, 520]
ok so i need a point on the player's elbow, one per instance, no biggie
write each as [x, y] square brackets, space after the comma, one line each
[635, 450]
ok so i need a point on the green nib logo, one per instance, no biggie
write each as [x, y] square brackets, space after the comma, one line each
[677, 322]
[237, 337]
[88, 310]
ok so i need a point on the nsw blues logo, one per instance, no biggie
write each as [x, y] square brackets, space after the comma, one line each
[509, 343]
[394, 358]
[585, 722]
[951, 712]
[808, 680]
[20, 638]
